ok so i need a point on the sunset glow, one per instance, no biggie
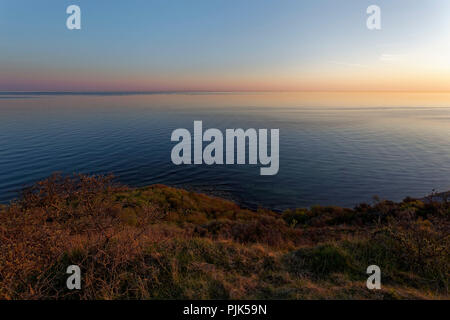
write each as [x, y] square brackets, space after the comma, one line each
[225, 46]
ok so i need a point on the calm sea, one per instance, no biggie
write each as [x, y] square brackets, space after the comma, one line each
[335, 148]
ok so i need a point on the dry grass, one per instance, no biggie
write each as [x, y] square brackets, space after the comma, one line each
[165, 243]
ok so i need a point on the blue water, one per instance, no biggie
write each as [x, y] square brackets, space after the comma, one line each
[337, 154]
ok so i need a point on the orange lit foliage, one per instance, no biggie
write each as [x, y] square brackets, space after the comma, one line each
[165, 243]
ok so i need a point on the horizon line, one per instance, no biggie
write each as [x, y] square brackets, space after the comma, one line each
[132, 92]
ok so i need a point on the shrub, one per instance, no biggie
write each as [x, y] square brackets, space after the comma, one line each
[321, 261]
[165, 243]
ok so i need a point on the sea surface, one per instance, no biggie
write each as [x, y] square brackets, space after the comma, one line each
[335, 148]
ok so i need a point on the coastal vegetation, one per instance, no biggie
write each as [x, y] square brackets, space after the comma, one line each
[159, 242]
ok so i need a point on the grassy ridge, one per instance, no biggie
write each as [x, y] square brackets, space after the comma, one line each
[165, 243]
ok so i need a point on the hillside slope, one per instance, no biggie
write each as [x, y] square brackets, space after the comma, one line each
[164, 243]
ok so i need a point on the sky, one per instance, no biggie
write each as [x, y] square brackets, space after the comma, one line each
[224, 45]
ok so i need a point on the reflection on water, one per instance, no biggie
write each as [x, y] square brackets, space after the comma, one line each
[335, 148]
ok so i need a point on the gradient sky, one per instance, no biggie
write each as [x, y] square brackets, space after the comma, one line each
[224, 45]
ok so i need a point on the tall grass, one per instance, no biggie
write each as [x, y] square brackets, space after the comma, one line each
[165, 243]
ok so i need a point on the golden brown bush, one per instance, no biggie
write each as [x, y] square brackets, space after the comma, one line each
[165, 243]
